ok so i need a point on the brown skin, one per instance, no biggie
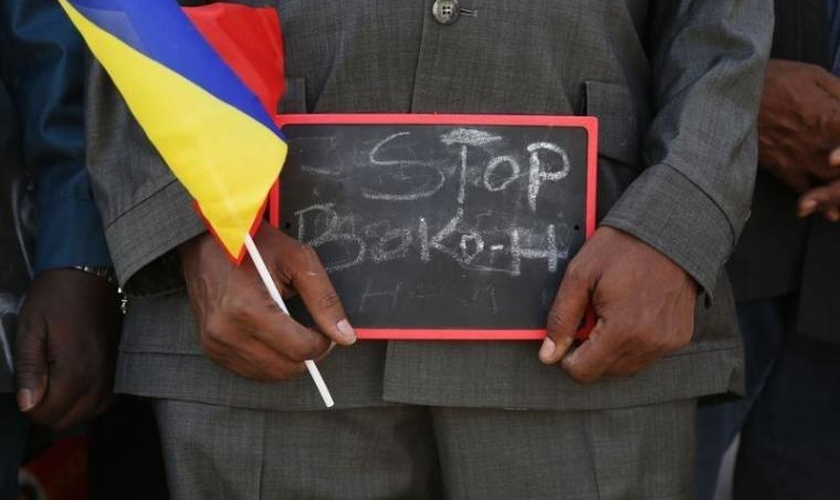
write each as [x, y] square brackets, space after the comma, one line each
[644, 303]
[799, 134]
[241, 327]
[65, 347]
[244, 331]
[824, 199]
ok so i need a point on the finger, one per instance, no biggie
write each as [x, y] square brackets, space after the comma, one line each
[85, 408]
[288, 338]
[30, 362]
[834, 158]
[799, 181]
[325, 354]
[830, 83]
[68, 384]
[255, 361]
[566, 313]
[824, 198]
[631, 364]
[314, 286]
[807, 205]
[593, 357]
[88, 404]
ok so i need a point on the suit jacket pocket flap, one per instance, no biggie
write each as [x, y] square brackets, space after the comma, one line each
[618, 121]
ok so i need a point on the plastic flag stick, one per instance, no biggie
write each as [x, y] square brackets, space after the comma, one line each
[275, 294]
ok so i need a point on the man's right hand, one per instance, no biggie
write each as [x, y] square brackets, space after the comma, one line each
[241, 327]
[799, 124]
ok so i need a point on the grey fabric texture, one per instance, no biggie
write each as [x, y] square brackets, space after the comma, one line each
[674, 83]
[376, 453]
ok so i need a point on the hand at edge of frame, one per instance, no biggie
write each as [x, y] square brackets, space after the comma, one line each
[65, 347]
[799, 124]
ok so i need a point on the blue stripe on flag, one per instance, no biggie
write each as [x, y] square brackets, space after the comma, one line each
[160, 30]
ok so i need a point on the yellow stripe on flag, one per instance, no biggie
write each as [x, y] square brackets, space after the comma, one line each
[226, 160]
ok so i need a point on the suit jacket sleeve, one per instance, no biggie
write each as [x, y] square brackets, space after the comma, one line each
[692, 200]
[146, 211]
[45, 69]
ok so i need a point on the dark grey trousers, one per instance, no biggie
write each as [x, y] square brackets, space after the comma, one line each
[215, 452]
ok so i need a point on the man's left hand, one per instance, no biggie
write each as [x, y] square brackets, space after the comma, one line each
[65, 348]
[644, 303]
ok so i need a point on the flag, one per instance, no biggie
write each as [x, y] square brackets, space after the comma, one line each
[248, 40]
[196, 99]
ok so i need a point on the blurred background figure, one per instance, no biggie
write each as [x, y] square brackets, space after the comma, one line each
[785, 273]
[59, 303]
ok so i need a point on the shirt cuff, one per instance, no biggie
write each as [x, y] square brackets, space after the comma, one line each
[70, 234]
[667, 211]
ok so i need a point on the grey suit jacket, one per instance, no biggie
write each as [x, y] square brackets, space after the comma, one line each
[675, 84]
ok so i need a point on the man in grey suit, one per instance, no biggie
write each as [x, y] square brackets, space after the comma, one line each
[675, 85]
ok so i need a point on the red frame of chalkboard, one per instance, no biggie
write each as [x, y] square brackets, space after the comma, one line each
[589, 123]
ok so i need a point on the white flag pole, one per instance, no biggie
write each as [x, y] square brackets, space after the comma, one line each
[262, 270]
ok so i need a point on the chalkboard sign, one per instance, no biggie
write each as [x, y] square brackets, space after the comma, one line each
[441, 226]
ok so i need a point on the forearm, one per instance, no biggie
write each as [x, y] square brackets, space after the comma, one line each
[693, 200]
[146, 212]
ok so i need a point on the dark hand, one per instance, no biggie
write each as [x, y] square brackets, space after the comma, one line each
[644, 303]
[824, 199]
[799, 124]
[65, 347]
[241, 327]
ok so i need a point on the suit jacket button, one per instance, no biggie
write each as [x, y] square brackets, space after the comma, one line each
[446, 11]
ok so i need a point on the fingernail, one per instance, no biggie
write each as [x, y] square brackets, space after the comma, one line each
[547, 350]
[25, 399]
[809, 205]
[347, 331]
[833, 215]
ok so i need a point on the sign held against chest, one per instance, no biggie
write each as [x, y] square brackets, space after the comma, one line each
[441, 226]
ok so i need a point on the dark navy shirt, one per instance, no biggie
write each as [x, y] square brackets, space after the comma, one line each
[41, 70]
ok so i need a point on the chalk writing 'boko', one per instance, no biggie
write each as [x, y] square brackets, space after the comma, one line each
[470, 241]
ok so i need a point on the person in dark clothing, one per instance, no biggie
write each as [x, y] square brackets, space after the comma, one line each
[59, 309]
[67, 325]
[784, 273]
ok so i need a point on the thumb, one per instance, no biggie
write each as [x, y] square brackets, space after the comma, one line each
[30, 363]
[565, 315]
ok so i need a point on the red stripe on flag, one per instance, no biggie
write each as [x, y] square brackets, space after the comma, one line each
[250, 41]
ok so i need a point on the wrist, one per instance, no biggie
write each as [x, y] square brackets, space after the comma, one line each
[189, 248]
[104, 272]
[108, 275]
